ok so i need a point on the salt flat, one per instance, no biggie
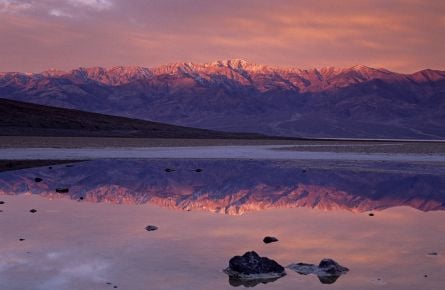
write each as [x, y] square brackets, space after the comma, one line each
[265, 152]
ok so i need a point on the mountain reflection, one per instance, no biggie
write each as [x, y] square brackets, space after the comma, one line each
[238, 186]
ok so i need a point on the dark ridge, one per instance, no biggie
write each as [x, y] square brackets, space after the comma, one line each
[26, 119]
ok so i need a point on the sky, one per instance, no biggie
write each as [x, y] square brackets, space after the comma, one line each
[400, 35]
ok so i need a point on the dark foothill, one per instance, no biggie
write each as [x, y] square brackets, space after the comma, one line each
[62, 190]
[151, 228]
[38, 179]
[251, 264]
[371, 214]
[169, 170]
[268, 240]
[33, 210]
[198, 170]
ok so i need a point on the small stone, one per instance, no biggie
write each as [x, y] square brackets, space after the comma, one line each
[2, 202]
[151, 228]
[198, 170]
[33, 211]
[169, 170]
[426, 276]
[81, 198]
[268, 240]
[371, 214]
[21, 240]
[38, 179]
[62, 190]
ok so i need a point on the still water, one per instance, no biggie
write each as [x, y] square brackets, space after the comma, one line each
[93, 236]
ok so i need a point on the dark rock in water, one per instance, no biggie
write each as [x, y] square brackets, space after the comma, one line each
[38, 179]
[81, 198]
[248, 283]
[169, 170]
[62, 190]
[50, 167]
[251, 266]
[151, 228]
[371, 214]
[33, 210]
[328, 279]
[2, 202]
[21, 240]
[198, 170]
[433, 254]
[328, 271]
[331, 267]
[268, 240]
[303, 268]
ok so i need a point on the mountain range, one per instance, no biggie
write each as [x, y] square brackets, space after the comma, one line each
[238, 96]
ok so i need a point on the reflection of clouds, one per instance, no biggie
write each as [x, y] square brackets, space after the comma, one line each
[91, 270]
[94, 4]
[53, 270]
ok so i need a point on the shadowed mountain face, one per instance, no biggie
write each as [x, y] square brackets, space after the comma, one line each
[237, 96]
[23, 119]
[235, 187]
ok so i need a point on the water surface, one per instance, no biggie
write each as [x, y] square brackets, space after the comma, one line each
[94, 234]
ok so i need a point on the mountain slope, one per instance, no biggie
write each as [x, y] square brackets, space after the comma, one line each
[238, 96]
[18, 118]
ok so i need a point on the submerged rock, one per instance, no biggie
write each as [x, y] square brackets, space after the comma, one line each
[151, 228]
[62, 190]
[38, 179]
[251, 266]
[2, 202]
[198, 170]
[236, 282]
[33, 210]
[328, 271]
[169, 170]
[331, 267]
[268, 240]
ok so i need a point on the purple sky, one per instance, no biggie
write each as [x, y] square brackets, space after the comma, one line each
[401, 35]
